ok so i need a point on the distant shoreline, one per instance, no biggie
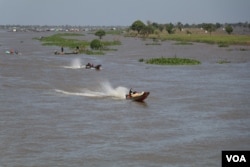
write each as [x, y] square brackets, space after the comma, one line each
[239, 28]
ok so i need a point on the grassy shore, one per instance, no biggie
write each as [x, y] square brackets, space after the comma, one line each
[210, 39]
[219, 37]
[206, 38]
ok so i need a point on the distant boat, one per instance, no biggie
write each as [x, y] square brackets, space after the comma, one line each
[91, 66]
[65, 53]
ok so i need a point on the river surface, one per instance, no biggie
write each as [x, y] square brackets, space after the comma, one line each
[54, 113]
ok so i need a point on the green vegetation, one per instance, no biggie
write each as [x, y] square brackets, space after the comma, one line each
[171, 61]
[96, 44]
[138, 25]
[205, 38]
[170, 28]
[209, 27]
[67, 40]
[100, 33]
[61, 40]
[229, 29]
[195, 33]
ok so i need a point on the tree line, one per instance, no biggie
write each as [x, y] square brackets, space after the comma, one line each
[150, 27]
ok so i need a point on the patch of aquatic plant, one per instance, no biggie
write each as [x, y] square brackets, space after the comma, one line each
[172, 61]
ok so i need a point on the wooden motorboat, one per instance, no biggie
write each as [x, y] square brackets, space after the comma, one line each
[137, 96]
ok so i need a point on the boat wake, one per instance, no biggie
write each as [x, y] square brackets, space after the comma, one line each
[75, 64]
[104, 90]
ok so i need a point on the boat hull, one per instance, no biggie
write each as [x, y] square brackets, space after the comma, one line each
[97, 67]
[139, 98]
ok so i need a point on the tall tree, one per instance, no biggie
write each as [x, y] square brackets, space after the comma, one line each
[100, 33]
[138, 25]
[209, 27]
[179, 26]
[170, 28]
[229, 29]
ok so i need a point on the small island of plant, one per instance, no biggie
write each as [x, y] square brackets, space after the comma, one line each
[171, 61]
[94, 47]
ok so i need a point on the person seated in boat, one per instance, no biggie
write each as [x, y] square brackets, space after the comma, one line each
[76, 51]
[57, 52]
[132, 92]
[89, 65]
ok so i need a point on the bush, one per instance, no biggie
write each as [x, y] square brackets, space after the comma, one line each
[96, 44]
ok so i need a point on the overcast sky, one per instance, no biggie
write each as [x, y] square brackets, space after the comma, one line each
[122, 12]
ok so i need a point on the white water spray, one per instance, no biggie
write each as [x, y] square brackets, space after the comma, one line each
[104, 90]
[75, 64]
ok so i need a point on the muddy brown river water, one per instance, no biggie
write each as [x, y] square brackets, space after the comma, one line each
[54, 113]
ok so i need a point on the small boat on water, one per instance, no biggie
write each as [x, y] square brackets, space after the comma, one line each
[76, 51]
[91, 66]
[137, 96]
[65, 53]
